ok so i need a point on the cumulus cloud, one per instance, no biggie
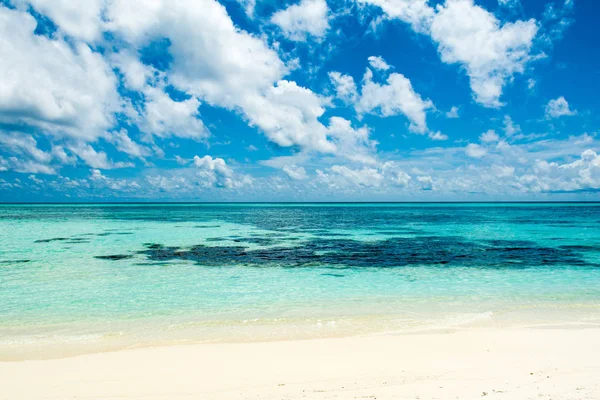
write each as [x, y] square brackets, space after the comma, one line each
[214, 172]
[101, 181]
[395, 174]
[24, 145]
[295, 172]
[437, 136]
[396, 96]
[558, 108]
[366, 176]
[378, 63]
[27, 166]
[453, 113]
[74, 90]
[510, 3]
[299, 21]
[290, 115]
[59, 153]
[417, 13]
[466, 34]
[510, 128]
[580, 175]
[215, 68]
[475, 150]
[344, 85]
[124, 144]
[426, 182]
[95, 159]
[490, 52]
[164, 117]
[388, 174]
[351, 143]
[489, 137]
[77, 19]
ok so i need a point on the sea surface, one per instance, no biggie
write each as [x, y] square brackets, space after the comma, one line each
[96, 277]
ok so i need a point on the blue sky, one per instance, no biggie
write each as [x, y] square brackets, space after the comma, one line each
[316, 100]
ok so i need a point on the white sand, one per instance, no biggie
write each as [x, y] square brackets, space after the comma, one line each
[468, 364]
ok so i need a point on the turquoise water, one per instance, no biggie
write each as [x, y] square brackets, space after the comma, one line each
[114, 275]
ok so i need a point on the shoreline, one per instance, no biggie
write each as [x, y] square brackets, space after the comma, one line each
[464, 363]
[40, 345]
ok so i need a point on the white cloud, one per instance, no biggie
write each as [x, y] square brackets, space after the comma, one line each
[453, 113]
[159, 115]
[164, 117]
[352, 144]
[59, 153]
[366, 176]
[489, 137]
[31, 159]
[580, 175]
[397, 96]
[437, 136]
[210, 61]
[24, 145]
[308, 18]
[95, 159]
[81, 20]
[295, 172]
[28, 166]
[503, 171]
[466, 34]
[100, 181]
[379, 176]
[510, 3]
[394, 174]
[510, 128]
[490, 52]
[96, 175]
[214, 172]
[74, 90]
[136, 74]
[289, 114]
[378, 63]
[426, 182]
[248, 6]
[345, 87]
[417, 13]
[475, 150]
[209, 65]
[559, 107]
[124, 144]
[558, 18]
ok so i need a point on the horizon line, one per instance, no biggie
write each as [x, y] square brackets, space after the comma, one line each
[298, 202]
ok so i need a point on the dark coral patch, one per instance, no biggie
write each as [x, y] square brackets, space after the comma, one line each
[395, 252]
[114, 257]
[59, 239]
[14, 261]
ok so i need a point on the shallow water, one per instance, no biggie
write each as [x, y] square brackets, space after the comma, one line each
[133, 274]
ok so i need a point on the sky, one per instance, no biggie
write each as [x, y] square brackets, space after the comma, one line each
[310, 100]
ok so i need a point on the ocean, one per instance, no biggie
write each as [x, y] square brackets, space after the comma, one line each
[104, 276]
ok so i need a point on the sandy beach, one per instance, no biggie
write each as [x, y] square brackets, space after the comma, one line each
[511, 363]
